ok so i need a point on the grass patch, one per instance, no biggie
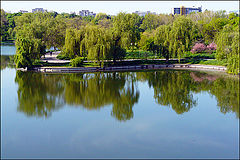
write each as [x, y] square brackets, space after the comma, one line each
[63, 57]
[140, 54]
[215, 62]
[191, 55]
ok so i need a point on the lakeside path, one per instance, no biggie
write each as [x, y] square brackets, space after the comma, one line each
[53, 59]
[127, 68]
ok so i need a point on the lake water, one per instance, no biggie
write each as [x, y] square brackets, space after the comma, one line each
[152, 114]
[8, 49]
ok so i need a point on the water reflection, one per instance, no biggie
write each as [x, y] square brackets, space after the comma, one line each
[171, 88]
[7, 61]
[41, 94]
[8, 49]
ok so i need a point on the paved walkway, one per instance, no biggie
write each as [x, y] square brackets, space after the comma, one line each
[128, 68]
[53, 58]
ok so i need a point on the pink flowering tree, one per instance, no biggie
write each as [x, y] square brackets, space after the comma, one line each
[198, 47]
[211, 47]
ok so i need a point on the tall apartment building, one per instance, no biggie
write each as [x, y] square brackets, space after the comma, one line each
[185, 11]
[39, 10]
[86, 13]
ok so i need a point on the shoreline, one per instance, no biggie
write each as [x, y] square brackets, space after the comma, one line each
[124, 68]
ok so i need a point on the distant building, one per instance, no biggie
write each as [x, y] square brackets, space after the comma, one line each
[185, 11]
[140, 13]
[84, 13]
[73, 13]
[38, 10]
[23, 11]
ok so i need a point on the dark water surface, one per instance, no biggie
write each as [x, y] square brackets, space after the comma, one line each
[154, 114]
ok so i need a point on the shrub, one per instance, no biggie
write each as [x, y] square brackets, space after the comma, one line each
[77, 62]
[211, 47]
[63, 57]
[198, 47]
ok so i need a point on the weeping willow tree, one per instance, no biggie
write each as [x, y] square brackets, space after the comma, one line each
[27, 51]
[127, 28]
[228, 48]
[162, 40]
[35, 32]
[183, 33]
[97, 42]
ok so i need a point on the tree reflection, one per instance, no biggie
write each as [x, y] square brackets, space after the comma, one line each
[41, 94]
[225, 89]
[171, 88]
[6, 61]
[101, 89]
[38, 94]
[226, 92]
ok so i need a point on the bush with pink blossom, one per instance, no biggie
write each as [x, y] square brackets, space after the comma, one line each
[198, 47]
[211, 47]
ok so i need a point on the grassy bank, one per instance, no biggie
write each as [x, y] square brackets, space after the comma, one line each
[135, 62]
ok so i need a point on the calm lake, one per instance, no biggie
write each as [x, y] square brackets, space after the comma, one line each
[152, 114]
[8, 49]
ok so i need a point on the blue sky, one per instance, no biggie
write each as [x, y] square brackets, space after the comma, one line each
[111, 7]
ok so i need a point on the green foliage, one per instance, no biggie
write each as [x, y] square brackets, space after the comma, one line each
[104, 37]
[99, 17]
[146, 42]
[63, 56]
[126, 26]
[211, 29]
[162, 40]
[214, 62]
[199, 55]
[152, 21]
[228, 47]
[8, 25]
[27, 51]
[77, 62]
[183, 33]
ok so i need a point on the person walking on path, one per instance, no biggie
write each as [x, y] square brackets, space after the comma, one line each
[50, 53]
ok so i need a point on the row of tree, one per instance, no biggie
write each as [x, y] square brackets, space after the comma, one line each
[108, 37]
[8, 25]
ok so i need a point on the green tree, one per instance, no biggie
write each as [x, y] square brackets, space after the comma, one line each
[152, 21]
[183, 33]
[127, 28]
[228, 47]
[4, 24]
[162, 39]
[27, 51]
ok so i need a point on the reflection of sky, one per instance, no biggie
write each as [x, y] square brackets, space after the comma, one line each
[8, 49]
[154, 131]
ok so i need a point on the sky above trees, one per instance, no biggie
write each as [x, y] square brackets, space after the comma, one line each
[113, 8]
